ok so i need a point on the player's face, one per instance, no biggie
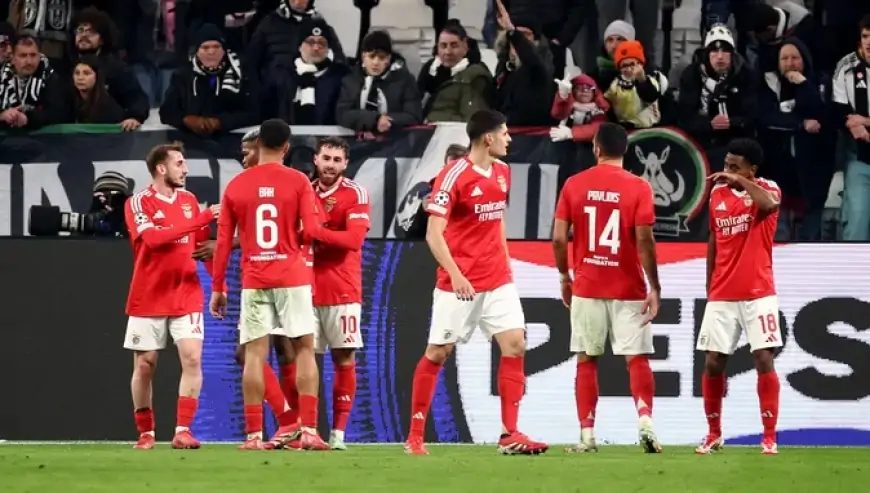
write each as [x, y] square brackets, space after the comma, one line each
[174, 171]
[498, 142]
[738, 165]
[330, 163]
[250, 154]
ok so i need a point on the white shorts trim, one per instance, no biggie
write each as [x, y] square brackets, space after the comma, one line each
[725, 321]
[338, 327]
[277, 311]
[454, 320]
[152, 333]
[593, 321]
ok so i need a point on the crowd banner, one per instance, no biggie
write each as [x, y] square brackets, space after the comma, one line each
[81, 285]
[59, 169]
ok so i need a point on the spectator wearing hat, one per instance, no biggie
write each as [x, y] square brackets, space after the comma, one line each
[605, 72]
[524, 74]
[95, 36]
[717, 92]
[314, 85]
[772, 25]
[455, 83]
[7, 39]
[645, 20]
[379, 95]
[580, 108]
[634, 94]
[211, 93]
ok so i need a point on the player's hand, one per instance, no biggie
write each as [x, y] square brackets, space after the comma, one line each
[218, 305]
[723, 177]
[567, 293]
[204, 250]
[650, 306]
[463, 289]
[215, 210]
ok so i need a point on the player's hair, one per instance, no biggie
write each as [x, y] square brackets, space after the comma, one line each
[455, 151]
[612, 140]
[274, 134]
[333, 142]
[748, 149]
[160, 154]
[251, 135]
[483, 122]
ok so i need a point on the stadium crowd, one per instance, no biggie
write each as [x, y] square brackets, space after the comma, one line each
[789, 73]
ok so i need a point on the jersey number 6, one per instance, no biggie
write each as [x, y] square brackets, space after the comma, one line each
[609, 236]
[267, 229]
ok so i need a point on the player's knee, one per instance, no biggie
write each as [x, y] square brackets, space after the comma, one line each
[190, 361]
[512, 343]
[763, 359]
[144, 367]
[714, 363]
[438, 354]
[343, 357]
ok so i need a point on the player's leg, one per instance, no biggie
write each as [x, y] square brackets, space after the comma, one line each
[283, 347]
[187, 332]
[296, 315]
[453, 320]
[502, 318]
[632, 339]
[145, 336]
[761, 319]
[590, 324]
[718, 338]
[274, 395]
[258, 318]
[340, 326]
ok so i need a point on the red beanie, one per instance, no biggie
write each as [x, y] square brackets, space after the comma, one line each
[629, 49]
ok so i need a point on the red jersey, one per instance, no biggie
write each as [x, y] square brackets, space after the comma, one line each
[604, 204]
[266, 203]
[743, 267]
[473, 200]
[338, 264]
[163, 231]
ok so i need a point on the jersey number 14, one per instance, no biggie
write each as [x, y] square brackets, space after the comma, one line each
[609, 237]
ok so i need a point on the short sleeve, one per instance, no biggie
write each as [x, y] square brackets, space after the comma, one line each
[645, 214]
[445, 191]
[136, 216]
[563, 205]
[358, 212]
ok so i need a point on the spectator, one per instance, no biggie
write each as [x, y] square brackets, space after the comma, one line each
[580, 108]
[379, 95]
[7, 38]
[634, 95]
[315, 85]
[560, 21]
[605, 72]
[455, 83]
[524, 75]
[155, 36]
[720, 11]
[791, 118]
[645, 20]
[95, 35]
[772, 25]
[23, 83]
[82, 97]
[275, 46]
[840, 25]
[717, 92]
[212, 93]
[852, 102]
[45, 22]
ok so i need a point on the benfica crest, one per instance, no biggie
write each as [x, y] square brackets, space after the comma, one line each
[330, 203]
[502, 183]
[188, 211]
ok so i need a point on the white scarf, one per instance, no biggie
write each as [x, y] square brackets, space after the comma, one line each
[459, 67]
[305, 94]
[582, 113]
[230, 81]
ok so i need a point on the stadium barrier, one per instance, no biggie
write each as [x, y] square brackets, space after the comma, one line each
[67, 377]
[57, 166]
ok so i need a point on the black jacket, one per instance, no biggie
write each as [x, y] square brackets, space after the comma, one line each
[557, 19]
[192, 93]
[121, 83]
[800, 24]
[399, 88]
[525, 93]
[326, 94]
[276, 42]
[137, 22]
[60, 107]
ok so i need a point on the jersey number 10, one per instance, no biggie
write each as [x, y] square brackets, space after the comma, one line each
[609, 237]
[267, 228]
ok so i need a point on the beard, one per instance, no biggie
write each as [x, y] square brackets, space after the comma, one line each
[329, 179]
[174, 182]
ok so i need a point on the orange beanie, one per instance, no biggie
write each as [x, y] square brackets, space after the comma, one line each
[629, 49]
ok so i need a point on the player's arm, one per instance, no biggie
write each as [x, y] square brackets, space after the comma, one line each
[766, 200]
[357, 221]
[309, 212]
[645, 218]
[561, 229]
[439, 207]
[141, 226]
[711, 257]
[504, 240]
[226, 241]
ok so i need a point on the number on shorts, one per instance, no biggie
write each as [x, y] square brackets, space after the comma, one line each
[768, 323]
[267, 228]
[609, 236]
[349, 324]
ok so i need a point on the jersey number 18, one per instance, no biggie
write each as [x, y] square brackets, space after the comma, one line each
[267, 229]
[609, 237]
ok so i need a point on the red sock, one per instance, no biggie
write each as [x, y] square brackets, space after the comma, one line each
[768, 399]
[288, 385]
[713, 390]
[422, 392]
[186, 411]
[643, 385]
[253, 419]
[308, 411]
[511, 386]
[586, 392]
[144, 420]
[343, 392]
[273, 394]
